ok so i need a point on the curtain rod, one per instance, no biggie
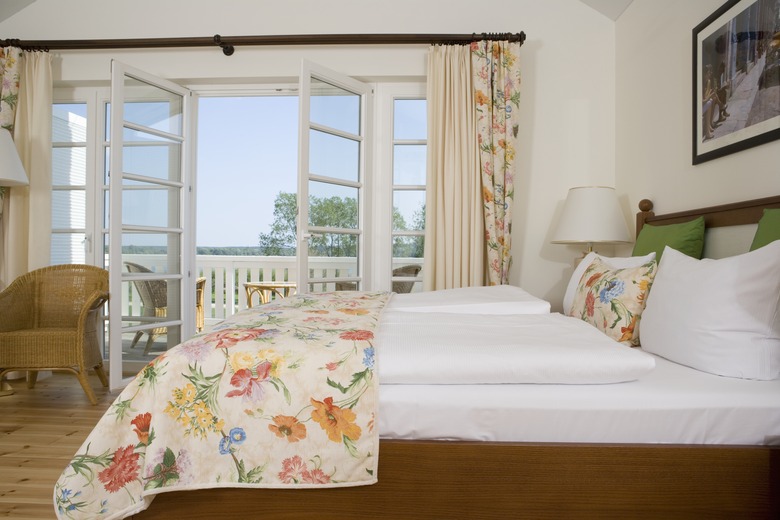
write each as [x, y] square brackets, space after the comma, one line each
[228, 43]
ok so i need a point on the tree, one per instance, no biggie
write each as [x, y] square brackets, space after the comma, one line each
[281, 240]
[336, 212]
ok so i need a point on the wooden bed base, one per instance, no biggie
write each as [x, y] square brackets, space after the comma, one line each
[420, 480]
[472, 480]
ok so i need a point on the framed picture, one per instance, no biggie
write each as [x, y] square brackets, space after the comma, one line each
[736, 78]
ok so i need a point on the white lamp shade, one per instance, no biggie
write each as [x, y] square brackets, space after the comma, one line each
[11, 170]
[591, 214]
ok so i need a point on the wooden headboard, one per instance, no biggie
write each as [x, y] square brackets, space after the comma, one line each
[734, 214]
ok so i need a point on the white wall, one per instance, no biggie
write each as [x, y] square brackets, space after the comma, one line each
[653, 107]
[568, 93]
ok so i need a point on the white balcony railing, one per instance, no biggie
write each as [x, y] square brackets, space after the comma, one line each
[225, 277]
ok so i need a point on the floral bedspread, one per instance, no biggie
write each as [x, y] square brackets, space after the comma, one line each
[282, 395]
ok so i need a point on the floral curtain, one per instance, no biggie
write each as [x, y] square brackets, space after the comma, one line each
[9, 96]
[496, 77]
[26, 222]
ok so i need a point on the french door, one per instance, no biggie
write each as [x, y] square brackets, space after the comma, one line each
[333, 154]
[148, 200]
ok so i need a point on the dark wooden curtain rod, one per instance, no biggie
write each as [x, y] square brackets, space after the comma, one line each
[228, 43]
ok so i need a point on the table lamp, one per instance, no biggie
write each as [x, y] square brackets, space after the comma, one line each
[11, 170]
[591, 215]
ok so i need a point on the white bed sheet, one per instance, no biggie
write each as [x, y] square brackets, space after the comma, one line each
[672, 404]
[446, 348]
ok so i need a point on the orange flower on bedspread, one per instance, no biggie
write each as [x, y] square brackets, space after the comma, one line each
[142, 423]
[354, 312]
[357, 335]
[288, 427]
[123, 469]
[337, 422]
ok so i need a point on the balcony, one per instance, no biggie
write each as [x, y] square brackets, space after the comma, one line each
[225, 277]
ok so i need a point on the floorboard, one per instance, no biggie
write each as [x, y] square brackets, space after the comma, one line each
[40, 430]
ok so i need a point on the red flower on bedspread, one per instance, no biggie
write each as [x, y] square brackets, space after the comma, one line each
[123, 469]
[230, 337]
[249, 386]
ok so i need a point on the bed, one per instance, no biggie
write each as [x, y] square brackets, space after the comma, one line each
[452, 451]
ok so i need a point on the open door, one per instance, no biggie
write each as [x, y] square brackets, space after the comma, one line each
[332, 171]
[147, 207]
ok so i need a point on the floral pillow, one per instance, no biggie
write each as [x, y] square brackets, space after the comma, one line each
[612, 300]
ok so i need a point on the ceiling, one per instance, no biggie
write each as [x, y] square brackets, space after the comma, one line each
[609, 8]
[9, 8]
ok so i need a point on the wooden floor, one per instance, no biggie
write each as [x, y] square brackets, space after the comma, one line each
[41, 430]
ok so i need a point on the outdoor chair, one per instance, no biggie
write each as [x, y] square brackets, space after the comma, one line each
[50, 320]
[154, 303]
[398, 287]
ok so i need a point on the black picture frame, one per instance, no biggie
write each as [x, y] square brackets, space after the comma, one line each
[736, 79]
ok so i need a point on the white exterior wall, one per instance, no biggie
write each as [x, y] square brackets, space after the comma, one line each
[567, 131]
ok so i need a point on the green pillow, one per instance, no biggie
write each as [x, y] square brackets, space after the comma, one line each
[768, 229]
[687, 238]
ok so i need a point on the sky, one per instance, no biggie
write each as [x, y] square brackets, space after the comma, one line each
[247, 154]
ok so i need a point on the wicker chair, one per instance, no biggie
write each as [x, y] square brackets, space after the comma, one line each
[50, 320]
[200, 300]
[154, 302]
[398, 287]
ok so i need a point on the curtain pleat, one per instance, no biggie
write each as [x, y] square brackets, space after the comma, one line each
[454, 241]
[28, 222]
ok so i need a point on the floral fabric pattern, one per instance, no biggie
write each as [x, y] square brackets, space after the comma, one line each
[268, 398]
[9, 92]
[497, 98]
[612, 300]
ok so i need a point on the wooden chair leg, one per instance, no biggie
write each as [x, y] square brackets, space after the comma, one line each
[136, 338]
[32, 377]
[149, 343]
[101, 375]
[85, 385]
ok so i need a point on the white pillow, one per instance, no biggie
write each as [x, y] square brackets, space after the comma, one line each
[718, 316]
[616, 263]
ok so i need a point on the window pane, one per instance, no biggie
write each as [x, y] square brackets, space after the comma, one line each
[334, 107]
[407, 247]
[69, 166]
[158, 252]
[68, 209]
[150, 205]
[409, 164]
[67, 248]
[410, 119]
[333, 156]
[331, 205]
[69, 123]
[164, 113]
[159, 160]
[408, 210]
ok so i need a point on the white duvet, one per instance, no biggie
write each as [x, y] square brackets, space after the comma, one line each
[455, 348]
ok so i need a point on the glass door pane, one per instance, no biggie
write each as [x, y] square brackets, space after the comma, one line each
[332, 178]
[146, 208]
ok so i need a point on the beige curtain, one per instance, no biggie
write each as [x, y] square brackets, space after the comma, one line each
[27, 219]
[455, 237]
